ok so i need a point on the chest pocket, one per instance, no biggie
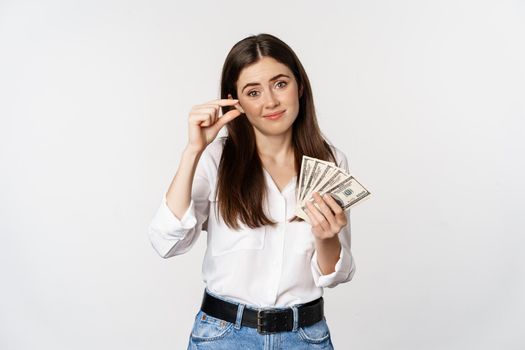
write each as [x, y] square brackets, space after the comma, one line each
[224, 240]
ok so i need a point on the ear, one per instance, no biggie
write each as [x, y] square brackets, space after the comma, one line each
[301, 91]
[237, 106]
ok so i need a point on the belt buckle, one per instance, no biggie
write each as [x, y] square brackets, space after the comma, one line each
[260, 321]
[263, 327]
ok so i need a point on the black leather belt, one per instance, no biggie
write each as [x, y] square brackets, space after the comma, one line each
[265, 320]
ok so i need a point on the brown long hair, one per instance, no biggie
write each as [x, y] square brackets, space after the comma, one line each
[241, 186]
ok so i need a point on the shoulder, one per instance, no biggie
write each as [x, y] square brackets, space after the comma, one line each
[340, 157]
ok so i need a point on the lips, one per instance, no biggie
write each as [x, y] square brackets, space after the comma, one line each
[276, 114]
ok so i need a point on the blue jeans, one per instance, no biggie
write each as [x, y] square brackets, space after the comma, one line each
[212, 333]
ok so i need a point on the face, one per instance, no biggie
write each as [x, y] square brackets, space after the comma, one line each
[268, 87]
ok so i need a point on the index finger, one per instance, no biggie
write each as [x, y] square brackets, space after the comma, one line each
[336, 207]
[224, 102]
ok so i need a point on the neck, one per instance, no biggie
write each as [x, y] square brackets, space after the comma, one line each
[275, 148]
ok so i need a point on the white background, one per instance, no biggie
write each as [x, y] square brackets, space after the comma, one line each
[425, 97]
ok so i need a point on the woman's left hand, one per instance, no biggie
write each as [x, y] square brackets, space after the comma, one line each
[327, 221]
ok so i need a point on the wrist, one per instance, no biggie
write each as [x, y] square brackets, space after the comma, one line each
[330, 241]
[192, 151]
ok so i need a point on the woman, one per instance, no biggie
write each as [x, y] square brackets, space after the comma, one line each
[264, 268]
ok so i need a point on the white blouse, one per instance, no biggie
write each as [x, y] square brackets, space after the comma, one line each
[263, 267]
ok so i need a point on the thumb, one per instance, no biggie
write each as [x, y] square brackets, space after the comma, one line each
[227, 117]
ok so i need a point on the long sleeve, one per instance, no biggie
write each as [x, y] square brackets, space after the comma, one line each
[345, 266]
[170, 236]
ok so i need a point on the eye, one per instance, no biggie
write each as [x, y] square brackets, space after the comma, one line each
[282, 82]
[250, 93]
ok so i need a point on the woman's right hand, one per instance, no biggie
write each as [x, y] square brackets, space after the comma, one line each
[204, 122]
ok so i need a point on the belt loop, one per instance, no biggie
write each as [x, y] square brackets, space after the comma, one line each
[295, 318]
[240, 310]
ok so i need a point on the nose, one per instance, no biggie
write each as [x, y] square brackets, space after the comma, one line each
[271, 100]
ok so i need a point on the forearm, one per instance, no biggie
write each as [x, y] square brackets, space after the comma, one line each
[178, 196]
[328, 251]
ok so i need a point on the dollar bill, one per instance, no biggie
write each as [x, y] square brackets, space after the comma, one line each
[314, 169]
[324, 177]
[306, 168]
[337, 176]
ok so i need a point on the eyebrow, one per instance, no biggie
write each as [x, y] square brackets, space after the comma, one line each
[272, 79]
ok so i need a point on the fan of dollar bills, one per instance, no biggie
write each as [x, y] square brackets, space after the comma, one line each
[325, 177]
